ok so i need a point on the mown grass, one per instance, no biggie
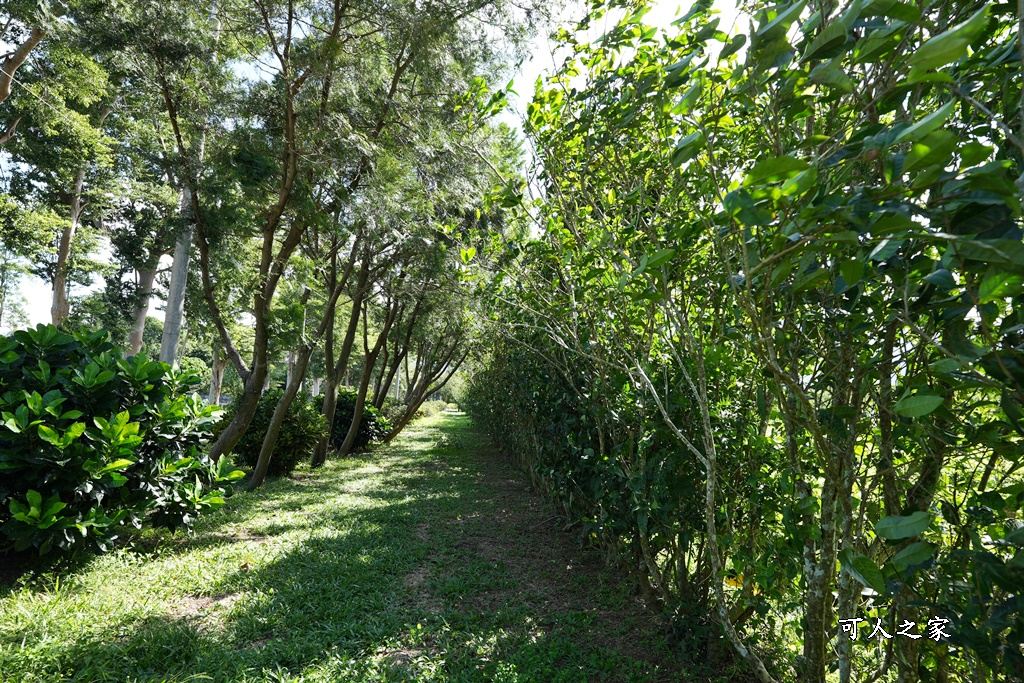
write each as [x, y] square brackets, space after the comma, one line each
[360, 571]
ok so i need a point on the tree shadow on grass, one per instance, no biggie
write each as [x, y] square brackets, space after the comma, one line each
[227, 525]
[338, 608]
[391, 588]
[332, 595]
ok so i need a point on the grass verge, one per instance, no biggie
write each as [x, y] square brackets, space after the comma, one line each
[429, 560]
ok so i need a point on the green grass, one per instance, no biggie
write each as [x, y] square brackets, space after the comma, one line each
[394, 566]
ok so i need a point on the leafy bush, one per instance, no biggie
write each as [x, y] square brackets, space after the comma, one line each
[392, 409]
[91, 442]
[301, 430]
[432, 408]
[372, 427]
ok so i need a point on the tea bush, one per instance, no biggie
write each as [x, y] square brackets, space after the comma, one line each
[303, 427]
[92, 442]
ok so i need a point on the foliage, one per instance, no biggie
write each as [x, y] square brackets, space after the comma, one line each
[392, 409]
[92, 442]
[433, 408]
[766, 343]
[302, 428]
[373, 426]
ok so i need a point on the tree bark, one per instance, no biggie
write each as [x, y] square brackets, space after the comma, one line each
[334, 374]
[11, 64]
[252, 390]
[421, 396]
[141, 311]
[280, 412]
[175, 311]
[61, 307]
[298, 362]
[364, 382]
[293, 362]
[220, 363]
[402, 346]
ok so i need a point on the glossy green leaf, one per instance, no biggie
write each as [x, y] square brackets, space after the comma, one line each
[828, 43]
[687, 148]
[998, 284]
[773, 169]
[950, 45]
[918, 405]
[896, 527]
[660, 257]
[852, 272]
[927, 124]
[864, 570]
[734, 46]
[913, 554]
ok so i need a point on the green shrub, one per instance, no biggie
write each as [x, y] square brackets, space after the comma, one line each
[301, 430]
[432, 408]
[372, 427]
[392, 410]
[91, 442]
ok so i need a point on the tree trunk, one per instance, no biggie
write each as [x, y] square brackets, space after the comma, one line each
[818, 596]
[357, 411]
[247, 404]
[280, 412]
[378, 395]
[378, 401]
[421, 396]
[401, 352]
[141, 311]
[331, 394]
[293, 360]
[15, 59]
[175, 311]
[364, 383]
[330, 408]
[220, 363]
[61, 307]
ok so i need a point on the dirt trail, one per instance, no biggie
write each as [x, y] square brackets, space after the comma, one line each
[542, 567]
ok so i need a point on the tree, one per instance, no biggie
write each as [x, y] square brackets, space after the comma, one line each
[776, 260]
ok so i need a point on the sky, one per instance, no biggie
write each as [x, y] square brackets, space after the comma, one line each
[37, 292]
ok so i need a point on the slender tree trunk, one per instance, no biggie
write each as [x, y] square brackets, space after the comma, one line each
[4, 291]
[252, 390]
[420, 396]
[220, 363]
[61, 307]
[818, 595]
[364, 382]
[357, 411]
[141, 311]
[330, 408]
[293, 360]
[277, 419]
[331, 393]
[401, 352]
[378, 401]
[175, 312]
[379, 379]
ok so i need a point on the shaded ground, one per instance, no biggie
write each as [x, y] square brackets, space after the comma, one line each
[429, 561]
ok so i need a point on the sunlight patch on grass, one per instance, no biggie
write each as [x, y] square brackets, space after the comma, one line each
[367, 569]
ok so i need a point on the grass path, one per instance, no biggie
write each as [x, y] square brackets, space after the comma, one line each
[430, 560]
